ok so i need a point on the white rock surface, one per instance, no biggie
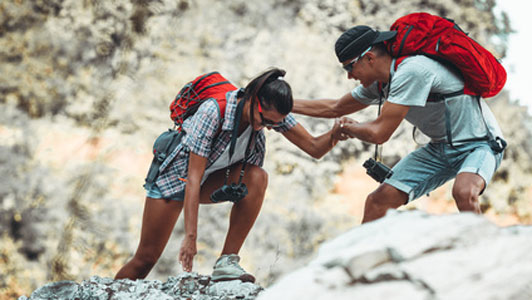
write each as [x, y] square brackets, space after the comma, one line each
[412, 255]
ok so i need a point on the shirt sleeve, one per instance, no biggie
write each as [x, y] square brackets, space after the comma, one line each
[288, 123]
[367, 96]
[259, 150]
[411, 84]
[201, 129]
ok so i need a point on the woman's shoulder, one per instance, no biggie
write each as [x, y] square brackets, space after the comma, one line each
[207, 115]
[209, 107]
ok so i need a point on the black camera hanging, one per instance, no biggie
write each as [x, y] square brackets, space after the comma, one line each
[374, 168]
[235, 192]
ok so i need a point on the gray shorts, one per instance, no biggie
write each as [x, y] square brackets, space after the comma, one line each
[432, 165]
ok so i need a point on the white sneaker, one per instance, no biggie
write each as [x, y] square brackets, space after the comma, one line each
[227, 268]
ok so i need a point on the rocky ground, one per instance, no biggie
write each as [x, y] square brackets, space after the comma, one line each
[406, 255]
[185, 286]
[412, 255]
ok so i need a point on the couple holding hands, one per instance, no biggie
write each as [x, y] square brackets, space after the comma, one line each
[216, 151]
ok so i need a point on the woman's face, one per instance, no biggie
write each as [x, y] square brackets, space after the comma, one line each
[269, 118]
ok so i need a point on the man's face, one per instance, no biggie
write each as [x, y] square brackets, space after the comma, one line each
[357, 69]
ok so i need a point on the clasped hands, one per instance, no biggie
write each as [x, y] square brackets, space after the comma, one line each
[341, 128]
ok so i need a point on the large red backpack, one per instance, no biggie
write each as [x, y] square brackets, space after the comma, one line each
[207, 86]
[186, 103]
[443, 40]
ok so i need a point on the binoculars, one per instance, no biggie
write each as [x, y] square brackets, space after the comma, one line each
[233, 192]
[377, 170]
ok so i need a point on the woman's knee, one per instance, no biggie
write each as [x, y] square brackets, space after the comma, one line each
[257, 179]
[147, 256]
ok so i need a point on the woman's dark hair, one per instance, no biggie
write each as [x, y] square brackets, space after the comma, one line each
[271, 90]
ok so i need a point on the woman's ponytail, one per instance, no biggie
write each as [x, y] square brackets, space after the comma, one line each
[271, 90]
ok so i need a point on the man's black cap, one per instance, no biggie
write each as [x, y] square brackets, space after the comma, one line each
[357, 39]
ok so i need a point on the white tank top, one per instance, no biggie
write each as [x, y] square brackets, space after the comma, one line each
[238, 155]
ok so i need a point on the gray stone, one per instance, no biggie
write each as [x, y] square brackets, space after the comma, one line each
[58, 290]
[184, 286]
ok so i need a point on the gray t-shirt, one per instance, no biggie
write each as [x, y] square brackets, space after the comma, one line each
[418, 76]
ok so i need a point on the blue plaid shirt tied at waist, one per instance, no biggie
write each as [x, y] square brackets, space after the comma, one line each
[200, 138]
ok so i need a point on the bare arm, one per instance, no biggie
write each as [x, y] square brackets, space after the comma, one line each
[328, 108]
[314, 146]
[379, 130]
[196, 168]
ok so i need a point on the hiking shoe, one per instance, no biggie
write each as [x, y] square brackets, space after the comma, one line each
[227, 268]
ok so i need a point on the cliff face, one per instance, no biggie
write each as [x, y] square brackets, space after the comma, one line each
[84, 91]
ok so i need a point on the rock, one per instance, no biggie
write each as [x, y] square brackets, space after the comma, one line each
[184, 286]
[412, 255]
[405, 255]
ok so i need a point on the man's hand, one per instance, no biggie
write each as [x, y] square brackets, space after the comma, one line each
[187, 253]
[346, 125]
[337, 134]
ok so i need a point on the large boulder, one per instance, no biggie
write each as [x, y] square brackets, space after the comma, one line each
[413, 255]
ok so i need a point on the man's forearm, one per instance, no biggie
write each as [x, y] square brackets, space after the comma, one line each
[323, 108]
[365, 132]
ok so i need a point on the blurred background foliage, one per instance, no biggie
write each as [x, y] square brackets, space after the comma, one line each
[84, 90]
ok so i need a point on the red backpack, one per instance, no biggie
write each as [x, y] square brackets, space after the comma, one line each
[206, 86]
[443, 40]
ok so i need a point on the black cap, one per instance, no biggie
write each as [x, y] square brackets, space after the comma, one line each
[357, 39]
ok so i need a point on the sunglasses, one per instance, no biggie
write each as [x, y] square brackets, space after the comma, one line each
[265, 122]
[349, 66]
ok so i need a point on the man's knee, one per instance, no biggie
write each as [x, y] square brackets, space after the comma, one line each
[466, 193]
[467, 187]
[387, 196]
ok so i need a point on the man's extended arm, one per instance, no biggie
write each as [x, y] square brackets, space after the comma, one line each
[328, 108]
[379, 130]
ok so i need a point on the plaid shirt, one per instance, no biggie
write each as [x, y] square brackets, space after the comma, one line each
[200, 138]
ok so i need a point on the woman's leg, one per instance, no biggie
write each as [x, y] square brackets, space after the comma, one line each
[158, 222]
[243, 216]
[245, 212]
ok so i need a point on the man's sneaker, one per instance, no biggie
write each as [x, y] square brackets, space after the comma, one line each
[227, 268]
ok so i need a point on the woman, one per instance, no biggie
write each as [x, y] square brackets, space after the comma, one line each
[205, 161]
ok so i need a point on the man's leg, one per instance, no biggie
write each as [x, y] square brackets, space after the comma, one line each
[474, 175]
[382, 199]
[466, 189]
[420, 172]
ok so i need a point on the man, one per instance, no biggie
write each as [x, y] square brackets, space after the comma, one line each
[461, 151]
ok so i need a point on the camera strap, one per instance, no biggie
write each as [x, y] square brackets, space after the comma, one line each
[381, 96]
[234, 137]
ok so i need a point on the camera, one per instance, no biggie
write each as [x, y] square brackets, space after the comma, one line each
[377, 170]
[233, 192]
